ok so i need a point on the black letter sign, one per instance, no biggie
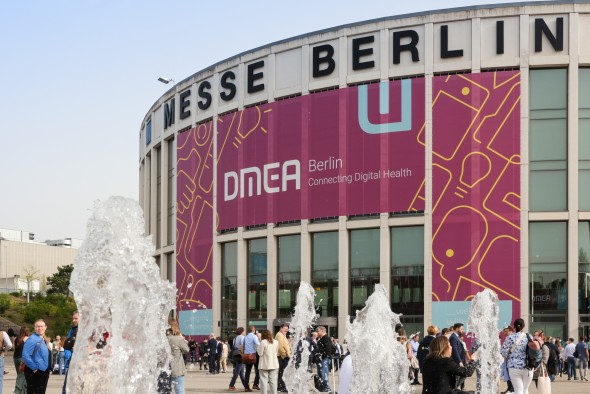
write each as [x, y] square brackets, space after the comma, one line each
[184, 113]
[169, 114]
[317, 60]
[411, 46]
[555, 40]
[357, 53]
[203, 105]
[228, 85]
[444, 45]
[252, 76]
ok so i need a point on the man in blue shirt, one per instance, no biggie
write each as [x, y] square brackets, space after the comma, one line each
[582, 350]
[251, 342]
[36, 358]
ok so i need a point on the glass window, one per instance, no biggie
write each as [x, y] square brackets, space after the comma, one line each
[584, 268]
[364, 266]
[148, 132]
[407, 270]
[548, 267]
[229, 287]
[548, 140]
[257, 289]
[289, 270]
[324, 274]
[584, 140]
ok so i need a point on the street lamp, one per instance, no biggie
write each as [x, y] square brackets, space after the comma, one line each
[165, 80]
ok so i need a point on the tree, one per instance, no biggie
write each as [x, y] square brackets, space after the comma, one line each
[32, 273]
[60, 281]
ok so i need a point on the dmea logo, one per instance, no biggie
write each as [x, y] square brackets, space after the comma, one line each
[273, 179]
[405, 124]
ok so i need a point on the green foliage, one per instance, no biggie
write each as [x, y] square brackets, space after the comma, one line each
[5, 302]
[55, 309]
[60, 281]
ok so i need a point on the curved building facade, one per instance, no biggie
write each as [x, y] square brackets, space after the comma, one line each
[437, 153]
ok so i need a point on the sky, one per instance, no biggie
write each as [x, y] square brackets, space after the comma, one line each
[78, 77]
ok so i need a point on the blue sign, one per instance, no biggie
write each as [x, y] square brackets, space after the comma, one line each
[447, 313]
[196, 322]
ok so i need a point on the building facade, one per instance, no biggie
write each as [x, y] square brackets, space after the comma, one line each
[437, 153]
[21, 257]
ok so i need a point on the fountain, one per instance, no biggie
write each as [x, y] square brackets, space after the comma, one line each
[297, 375]
[483, 323]
[122, 300]
[379, 362]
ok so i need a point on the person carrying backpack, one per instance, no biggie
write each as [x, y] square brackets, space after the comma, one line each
[553, 361]
[514, 351]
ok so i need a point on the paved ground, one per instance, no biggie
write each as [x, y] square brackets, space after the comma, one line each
[199, 382]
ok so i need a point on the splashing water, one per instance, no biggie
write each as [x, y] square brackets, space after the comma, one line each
[119, 293]
[379, 362]
[483, 322]
[297, 375]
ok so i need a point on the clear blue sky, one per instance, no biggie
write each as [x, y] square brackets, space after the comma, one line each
[77, 78]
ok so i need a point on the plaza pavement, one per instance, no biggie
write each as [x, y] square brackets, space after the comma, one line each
[198, 381]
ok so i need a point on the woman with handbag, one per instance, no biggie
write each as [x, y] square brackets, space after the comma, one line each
[514, 352]
[21, 383]
[268, 365]
[540, 337]
[440, 370]
[178, 348]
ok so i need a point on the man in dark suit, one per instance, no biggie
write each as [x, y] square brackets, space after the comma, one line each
[218, 355]
[212, 354]
[458, 354]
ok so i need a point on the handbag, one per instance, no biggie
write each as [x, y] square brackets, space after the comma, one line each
[543, 383]
[249, 358]
[236, 353]
[22, 366]
[414, 363]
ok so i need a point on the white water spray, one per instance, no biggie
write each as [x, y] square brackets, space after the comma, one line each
[297, 375]
[483, 322]
[118, 290]
[379, 362]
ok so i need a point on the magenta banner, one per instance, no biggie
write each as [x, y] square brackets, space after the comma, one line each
[476, 190]
[341, 152]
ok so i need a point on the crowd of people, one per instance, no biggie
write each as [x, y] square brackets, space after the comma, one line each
[259, 359]
[36, 356]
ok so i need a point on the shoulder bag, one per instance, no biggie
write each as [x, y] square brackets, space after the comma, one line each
[544, 383]
[236, 354]
[22, 366]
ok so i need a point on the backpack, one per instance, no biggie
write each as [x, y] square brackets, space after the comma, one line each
[553, 360]
[533, 356]
[423, 350]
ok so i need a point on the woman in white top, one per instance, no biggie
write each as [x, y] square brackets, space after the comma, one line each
[268, 364]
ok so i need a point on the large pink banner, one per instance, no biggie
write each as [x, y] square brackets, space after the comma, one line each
[476, 191]
[341, 152]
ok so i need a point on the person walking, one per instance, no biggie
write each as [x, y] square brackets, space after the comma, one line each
[212, 349]
[69, 345]
[21, 383]
[179, 349]
[561, 356]
[284, 355]
[324, 352]
[224, 353]
[5, 344]
[441, 371]
[238, 343]
[36, 356]
[251, 343]
[61, 357]
[414, 345]
[268, 365]
[582, 350]
[514, 352]
[570, 349]
[539, 336]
